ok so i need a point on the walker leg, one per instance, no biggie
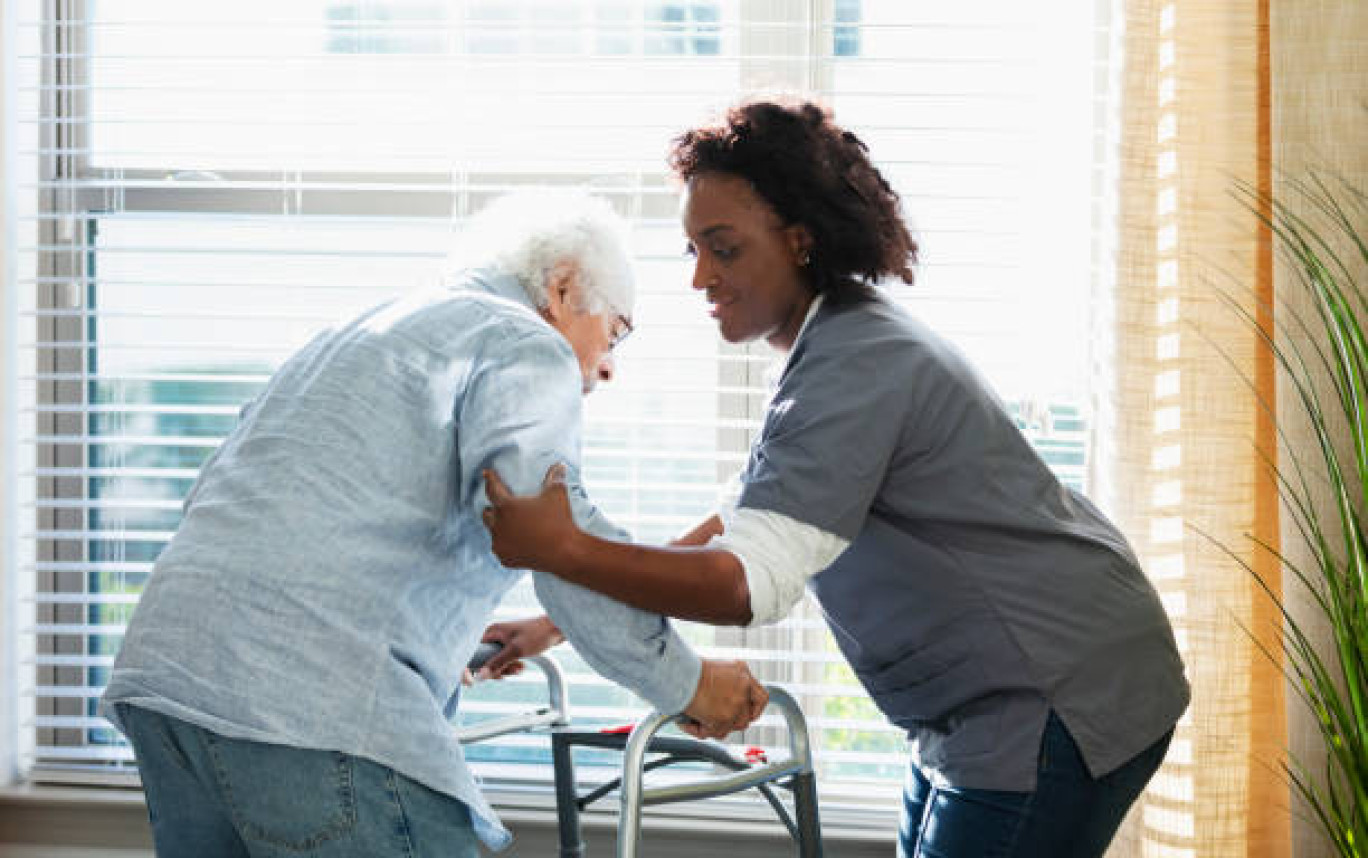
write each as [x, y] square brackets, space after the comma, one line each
[567, 798]
[808, 821]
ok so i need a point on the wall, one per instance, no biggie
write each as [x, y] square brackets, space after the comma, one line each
[1320, 121]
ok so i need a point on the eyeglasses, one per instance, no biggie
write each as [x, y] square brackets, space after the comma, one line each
[622, 328]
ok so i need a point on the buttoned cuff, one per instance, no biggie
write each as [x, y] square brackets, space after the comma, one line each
[672, 686]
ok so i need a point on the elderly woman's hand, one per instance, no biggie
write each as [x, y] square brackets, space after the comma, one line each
[532, 532]
[519, 639]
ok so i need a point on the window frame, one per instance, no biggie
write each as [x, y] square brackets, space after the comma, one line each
[67, 308]
[70, 217]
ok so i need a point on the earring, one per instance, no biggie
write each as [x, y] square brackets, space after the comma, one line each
[805, 259]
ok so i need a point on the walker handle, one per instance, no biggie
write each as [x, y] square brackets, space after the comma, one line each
[556, 714]
[635, 795]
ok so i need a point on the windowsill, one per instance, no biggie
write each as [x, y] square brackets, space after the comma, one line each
[839, 825]
[70, 796]
[844, 830]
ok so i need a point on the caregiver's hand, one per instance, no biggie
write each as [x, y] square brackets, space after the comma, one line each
[530, 532]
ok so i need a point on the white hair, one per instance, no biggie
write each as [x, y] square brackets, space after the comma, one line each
[526, 234]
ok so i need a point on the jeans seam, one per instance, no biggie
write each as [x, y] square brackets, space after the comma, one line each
[156, 723]
[168, 742]
[926, 814]
[178, 758]
[222, 779]
[1023, 814]
[392, 786]
[346, 787]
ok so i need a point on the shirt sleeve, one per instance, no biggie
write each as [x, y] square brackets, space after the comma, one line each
[728, 495]
[213, 457]
[829, 434]
[779, 555]
[520, 416]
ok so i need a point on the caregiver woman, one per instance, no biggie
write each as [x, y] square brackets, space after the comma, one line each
[993, 613]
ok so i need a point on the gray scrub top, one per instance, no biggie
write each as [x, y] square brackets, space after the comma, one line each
[978, 593]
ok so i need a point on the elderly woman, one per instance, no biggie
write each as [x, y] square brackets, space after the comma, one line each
[993, 613]
[334, 541]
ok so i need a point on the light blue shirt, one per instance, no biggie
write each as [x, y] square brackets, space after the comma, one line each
[332, 576]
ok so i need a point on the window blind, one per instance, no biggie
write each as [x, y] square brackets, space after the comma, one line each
[203, 187]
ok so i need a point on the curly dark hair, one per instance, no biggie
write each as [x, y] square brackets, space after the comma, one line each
[814, 173]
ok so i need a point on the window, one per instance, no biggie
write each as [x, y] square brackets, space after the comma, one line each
[393, 28]
[845, 36]
[209, 184]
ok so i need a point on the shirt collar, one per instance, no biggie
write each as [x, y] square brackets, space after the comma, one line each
[496, 283]
[811, 311]
[777, 368]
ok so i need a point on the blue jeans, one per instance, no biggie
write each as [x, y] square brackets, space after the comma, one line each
[1070, 814]
[213, 797]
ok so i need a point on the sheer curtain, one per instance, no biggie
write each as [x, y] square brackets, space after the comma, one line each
[1216, 94]
[1182, 406]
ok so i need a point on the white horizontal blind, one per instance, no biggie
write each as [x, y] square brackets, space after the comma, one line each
[209, 184]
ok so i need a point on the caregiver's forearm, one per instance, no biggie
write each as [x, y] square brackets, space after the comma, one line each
[692, 583]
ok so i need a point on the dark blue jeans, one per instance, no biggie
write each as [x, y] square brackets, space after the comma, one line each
[214, 797]
[1070, 814]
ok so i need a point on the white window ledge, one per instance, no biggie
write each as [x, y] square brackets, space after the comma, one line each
[109, 822]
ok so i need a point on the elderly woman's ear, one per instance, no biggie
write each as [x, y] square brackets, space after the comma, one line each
[562, 290]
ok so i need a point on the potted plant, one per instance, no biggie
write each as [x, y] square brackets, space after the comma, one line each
[1318, 229]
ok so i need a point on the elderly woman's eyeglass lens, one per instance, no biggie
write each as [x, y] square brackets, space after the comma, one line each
[622, 327]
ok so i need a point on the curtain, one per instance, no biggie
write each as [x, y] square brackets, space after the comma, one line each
[1182, 404]
[1218, 94]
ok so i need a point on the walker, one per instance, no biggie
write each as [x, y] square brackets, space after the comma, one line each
[752, 769]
